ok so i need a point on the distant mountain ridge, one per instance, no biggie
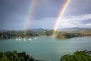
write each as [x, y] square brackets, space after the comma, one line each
[64, 29]
[38, 30]
[75, 29]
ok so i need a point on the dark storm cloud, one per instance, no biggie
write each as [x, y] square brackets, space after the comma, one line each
[78, 7]
[48, 8]
[14, 13]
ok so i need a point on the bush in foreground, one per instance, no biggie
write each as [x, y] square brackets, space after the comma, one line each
[15, 56]
[77, 56]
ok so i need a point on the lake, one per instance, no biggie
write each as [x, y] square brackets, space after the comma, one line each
[47, 48]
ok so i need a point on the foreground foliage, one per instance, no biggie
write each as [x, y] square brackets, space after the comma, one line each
[14, 56]
[77, 56]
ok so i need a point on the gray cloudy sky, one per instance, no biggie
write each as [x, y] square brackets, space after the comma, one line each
[14, 13]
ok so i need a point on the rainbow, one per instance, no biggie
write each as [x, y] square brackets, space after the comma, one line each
[29, 15]
[59, 17]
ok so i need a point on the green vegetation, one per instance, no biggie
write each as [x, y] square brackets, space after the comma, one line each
[74, 32]
[15, 56]
[77, 56]
[22, 56]
[42, 32]
[22, 34]
[64, 35]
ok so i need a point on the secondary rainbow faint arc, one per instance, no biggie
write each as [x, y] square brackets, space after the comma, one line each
[60, 16]
[29, 15]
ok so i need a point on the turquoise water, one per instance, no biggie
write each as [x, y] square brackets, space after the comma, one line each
[47, 48]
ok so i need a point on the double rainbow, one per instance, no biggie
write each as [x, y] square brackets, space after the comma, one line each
[61, 12]
[30, 13]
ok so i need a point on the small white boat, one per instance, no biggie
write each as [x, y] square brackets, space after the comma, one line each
[35, 38]
[17, 39]
[24, 39]
[29, 39]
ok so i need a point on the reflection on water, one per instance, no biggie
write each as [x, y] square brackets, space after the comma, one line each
[25, 39]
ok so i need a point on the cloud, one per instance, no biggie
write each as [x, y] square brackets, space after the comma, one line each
[75, 21]
[15, 12]
[46, 23]
[89, 24]
[65, 22]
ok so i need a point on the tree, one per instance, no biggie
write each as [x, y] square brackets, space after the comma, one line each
[77, 56]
